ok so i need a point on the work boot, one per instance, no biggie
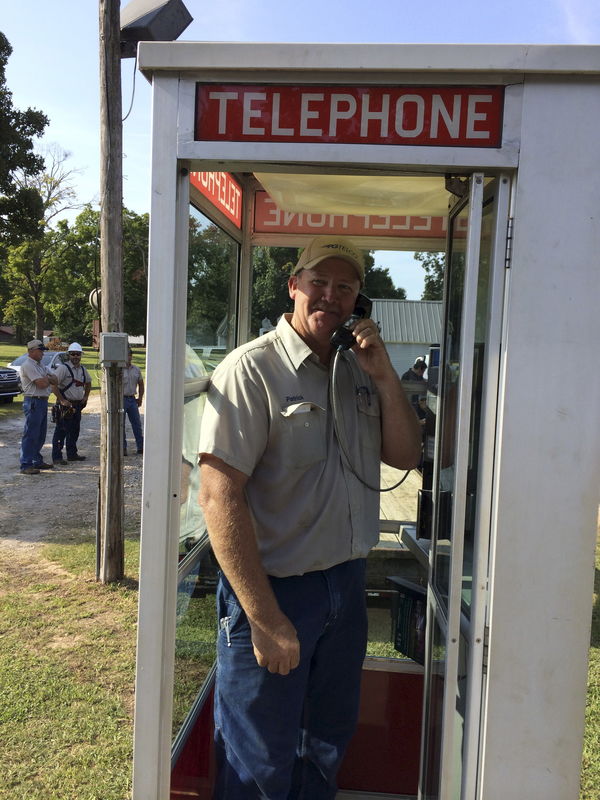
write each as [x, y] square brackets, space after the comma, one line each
[62, 461]
[30, 471]
[76, 458]
[43, 465]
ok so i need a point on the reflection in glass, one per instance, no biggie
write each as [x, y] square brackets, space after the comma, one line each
[481, 333]
[433, 737]
[271, 268]
[210, 334]
[212, 277]
[449, 379]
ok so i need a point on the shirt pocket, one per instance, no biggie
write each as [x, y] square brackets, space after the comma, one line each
[303, 435]
[369, 418]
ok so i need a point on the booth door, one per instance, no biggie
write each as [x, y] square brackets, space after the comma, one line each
[464, 401]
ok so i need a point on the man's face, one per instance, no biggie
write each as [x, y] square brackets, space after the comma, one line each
[36, 354]
[75, 357]
[324, 298]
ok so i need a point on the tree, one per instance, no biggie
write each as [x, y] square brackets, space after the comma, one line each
[379, 283]
[271, 268]
[77, 273]
[31, 263]
[20, 206]
[434, 265]
[211, 288]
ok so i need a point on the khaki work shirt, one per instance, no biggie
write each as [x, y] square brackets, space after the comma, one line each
[131, 378]
[76, 390]
[31, 370]
[268, 415]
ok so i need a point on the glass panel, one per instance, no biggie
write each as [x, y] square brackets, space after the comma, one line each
[210, 334]
[435, 706]
[450, 372]
[212, 282]
[481, 332]
[271, 267]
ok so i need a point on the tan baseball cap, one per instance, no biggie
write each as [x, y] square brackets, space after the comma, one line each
[323, 247]
[35, 344]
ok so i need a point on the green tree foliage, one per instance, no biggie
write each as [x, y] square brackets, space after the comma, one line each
[77, 272]
[31, 261]
[20, 206]
[379, 283]
[50, 278]
[271, 267]
[211, 285]
[434, 265]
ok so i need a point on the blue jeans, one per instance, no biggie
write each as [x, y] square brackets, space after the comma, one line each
[34, 432]
[67, 429]
[132, 411]
[283, 737]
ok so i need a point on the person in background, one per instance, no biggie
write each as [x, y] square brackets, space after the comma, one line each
[133, 391]
[291, 526]
[416, 372]
[72, 392]
[37, 382]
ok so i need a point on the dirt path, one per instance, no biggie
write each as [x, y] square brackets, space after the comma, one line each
[34, 506]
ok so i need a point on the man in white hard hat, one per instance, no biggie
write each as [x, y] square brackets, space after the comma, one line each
[37, 382]
[291, 523]
[72, 392]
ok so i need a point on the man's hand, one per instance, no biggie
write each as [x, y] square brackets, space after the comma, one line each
[278, 648]
[370, 350]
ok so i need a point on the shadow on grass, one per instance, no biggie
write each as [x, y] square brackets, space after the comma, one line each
[75, 550]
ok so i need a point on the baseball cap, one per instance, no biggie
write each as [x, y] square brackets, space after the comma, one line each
[35, 344]
[323, 247]
[75, 348]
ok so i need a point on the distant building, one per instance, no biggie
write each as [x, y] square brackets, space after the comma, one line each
[408, 328]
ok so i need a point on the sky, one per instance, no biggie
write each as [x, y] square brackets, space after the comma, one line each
[54, 64]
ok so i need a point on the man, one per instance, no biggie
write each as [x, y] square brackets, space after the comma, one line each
[291, 525]
[37, 382]
[416, 372]
[133, 384]
[72, 392]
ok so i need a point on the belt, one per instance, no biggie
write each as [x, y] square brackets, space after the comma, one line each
[129, 395]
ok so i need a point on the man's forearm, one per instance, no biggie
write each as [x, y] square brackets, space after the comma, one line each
[400, 431]
[232, 536]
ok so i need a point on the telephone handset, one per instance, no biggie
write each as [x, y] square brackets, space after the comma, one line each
[342, 338]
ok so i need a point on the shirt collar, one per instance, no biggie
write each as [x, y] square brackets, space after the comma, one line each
[296, 348]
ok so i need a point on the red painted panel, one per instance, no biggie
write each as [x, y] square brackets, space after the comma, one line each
[194, 772]
[383, 755]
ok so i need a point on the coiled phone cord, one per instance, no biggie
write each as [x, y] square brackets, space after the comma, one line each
[341, 434]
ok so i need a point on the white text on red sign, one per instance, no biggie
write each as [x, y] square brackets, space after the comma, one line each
[268, 218]
[223, 191]
[444, 116]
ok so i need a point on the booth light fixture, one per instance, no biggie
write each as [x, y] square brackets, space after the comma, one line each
[151, 21]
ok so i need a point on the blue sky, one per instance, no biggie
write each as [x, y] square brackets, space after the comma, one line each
[54, 65]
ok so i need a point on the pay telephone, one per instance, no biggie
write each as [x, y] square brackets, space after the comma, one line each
[342, 338]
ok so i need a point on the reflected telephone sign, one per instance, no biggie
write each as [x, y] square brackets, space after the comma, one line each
[269, 218]
[446, 116]
[223, 191]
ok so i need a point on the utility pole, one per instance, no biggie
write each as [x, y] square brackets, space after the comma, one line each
[112, 561]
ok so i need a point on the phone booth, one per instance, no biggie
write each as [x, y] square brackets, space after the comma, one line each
[479, 592]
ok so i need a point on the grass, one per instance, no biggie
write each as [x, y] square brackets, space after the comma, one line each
[590, 773]
[67, 659]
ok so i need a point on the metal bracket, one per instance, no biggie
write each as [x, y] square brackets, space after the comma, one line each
[509, 243]
[456, 186]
